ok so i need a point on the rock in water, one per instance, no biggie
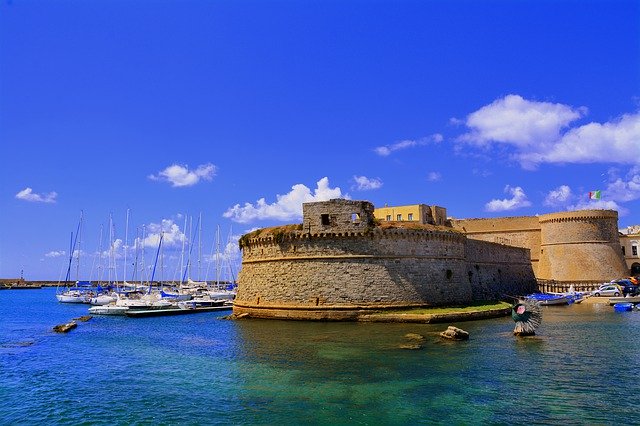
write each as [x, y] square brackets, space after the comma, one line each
[415, 336]
[455, 333]
[83, 318]
[65, 328]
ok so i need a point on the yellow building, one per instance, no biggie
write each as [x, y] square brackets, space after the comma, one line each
[420, 213]
[630, 242]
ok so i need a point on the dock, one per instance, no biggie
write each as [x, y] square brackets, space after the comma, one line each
[175, 311]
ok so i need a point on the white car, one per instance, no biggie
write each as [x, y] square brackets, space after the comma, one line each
[607, 290]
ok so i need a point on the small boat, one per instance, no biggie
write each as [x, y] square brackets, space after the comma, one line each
[108, 310]
[75, 295]
[546, 299]
[623, 307]
[175, 311]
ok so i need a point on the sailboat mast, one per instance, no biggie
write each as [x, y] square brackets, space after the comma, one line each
[199, 246]
[184, 239]
[77, 251]
[190, 246]
[142, 266]
[218, 256]
[100, 267]
[126, 242]
[155, 262]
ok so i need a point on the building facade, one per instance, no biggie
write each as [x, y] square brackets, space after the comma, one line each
[630, 242]
[419, 213]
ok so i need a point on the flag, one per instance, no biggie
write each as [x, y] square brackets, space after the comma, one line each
[595, 195]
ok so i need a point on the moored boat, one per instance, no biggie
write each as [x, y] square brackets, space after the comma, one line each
[546, 299]
[623, 307]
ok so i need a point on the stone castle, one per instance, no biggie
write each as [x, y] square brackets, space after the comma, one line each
[342, 259]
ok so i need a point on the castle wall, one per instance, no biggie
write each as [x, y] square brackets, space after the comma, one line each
[495, 270]
[572, 247]
[378, 269]
[332, 276]
[338, 262]
[521, 231]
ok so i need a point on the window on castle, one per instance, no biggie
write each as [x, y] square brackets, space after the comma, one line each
[399, 218]
[325, 219]
[410, 216]
[634, 250]
[623, 251]
[355, 218]
[389, 217]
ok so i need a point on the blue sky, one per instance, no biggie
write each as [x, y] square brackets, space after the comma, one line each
[242, 110]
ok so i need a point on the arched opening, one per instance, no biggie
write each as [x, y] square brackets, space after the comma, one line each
[635, 269]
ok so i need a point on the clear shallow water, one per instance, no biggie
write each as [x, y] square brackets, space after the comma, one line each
[199, 369]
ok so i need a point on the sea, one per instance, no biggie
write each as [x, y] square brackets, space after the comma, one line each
[582, 367]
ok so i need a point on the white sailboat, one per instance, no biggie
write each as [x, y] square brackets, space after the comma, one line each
[81, 292]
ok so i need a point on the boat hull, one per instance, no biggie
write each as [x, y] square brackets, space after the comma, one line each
[550, 299]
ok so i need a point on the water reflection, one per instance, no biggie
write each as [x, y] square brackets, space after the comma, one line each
[201, 369]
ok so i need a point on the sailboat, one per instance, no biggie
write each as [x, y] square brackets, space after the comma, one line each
[135, 300]
[81, 292]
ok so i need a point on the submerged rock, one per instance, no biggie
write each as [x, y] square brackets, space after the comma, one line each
[455, 333]
[412, 346]
[65, 328]
[415, 336]
[235, 316]
[83, 318]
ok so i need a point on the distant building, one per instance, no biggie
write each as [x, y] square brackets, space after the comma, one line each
[420, 213]
[630, 242]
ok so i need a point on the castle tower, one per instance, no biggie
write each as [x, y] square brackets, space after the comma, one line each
[580, 246]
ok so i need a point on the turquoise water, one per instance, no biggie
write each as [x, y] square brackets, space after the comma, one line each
[200, 369]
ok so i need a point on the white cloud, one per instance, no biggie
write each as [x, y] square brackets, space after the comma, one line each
[519, 122]
[180, 175]
[541, 132]
[615, 141]
[617, 190]
[27, 194]
[172, 236]
[559, 196]
[230, 251]
[287, 207]
[518, 200]
[434, 176]
[56, 253]
[386, 150]
[364, 183]
[599, 205]
[624, 189]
